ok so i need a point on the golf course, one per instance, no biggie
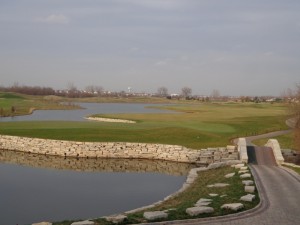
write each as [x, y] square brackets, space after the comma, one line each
[194, 125]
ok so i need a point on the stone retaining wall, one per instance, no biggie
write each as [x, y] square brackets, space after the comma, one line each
[117, 150]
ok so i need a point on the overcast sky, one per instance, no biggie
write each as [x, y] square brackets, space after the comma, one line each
[239, 47]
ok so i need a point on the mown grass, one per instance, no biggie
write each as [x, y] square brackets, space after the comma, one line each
[25, 104]
[296, 169]
[196, 126]
[286, 141]
[197, 190]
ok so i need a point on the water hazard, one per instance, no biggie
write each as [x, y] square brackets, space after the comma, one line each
[88, 109]
[36, 188]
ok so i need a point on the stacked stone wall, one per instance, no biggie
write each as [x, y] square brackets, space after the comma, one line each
[117, 150]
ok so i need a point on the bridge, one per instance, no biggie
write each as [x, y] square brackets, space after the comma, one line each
[278, 187]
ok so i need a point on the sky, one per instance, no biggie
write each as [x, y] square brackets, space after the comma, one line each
[238, 47]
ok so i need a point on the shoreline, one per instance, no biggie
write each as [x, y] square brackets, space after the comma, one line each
[108, 120]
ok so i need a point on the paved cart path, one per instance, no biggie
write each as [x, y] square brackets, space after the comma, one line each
[279, 191]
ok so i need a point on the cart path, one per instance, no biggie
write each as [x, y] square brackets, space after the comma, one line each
[279, 193]
[267, 135]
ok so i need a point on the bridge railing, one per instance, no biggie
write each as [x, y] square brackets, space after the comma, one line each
[274, 144]
[242, 149]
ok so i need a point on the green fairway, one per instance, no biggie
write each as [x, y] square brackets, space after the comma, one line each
[196, 125]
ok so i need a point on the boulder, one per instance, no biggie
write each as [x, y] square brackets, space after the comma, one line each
[233, 206]
[218, 185]
[203, 202]
[213, 195]
[116, 219]
[247, 182]
[194, 211]
[247, 198]
[86, 222]
[229, 175]
[249, 189]
[245, 175]
[216, 165]
[155, 215]
[238, 166]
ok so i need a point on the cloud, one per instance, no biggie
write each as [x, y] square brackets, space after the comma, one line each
[163, 62]
[161, 4]
[55, 19]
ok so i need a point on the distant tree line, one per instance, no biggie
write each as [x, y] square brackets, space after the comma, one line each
[29, 90]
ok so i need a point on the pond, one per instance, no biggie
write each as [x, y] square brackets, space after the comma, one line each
[37, 188]
[88, 109]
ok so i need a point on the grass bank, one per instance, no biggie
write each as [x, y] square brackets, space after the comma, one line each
[12, 104]
[296, 169]
[197, 190]
[195, 126]
[286, 141]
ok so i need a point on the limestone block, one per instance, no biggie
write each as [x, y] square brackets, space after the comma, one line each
[216, 165]
[194, 211]
[229, 175]
[116, 219]
[247, 182]
[249, 189]
[213, 195]
[230, 148]
[248, 198]
[86, 222]
[244, 168]
[155, 215]
[233, 206]
[217, 158]
[218, 185]
[245, 175]
[243, 171]
[203, 202]
[238, 166]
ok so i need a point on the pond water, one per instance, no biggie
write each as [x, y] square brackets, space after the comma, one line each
[37, 188]
[88, 109]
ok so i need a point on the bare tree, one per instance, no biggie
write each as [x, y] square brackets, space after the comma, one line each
[90, 89]
[162, 91]
[215, 94]
[186, 92]
[295, 111]
[99, 90]
[288, 94]
[72, 90]
[94, 90]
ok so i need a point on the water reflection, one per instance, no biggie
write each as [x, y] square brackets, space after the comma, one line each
[95, 165]
[38, 188]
